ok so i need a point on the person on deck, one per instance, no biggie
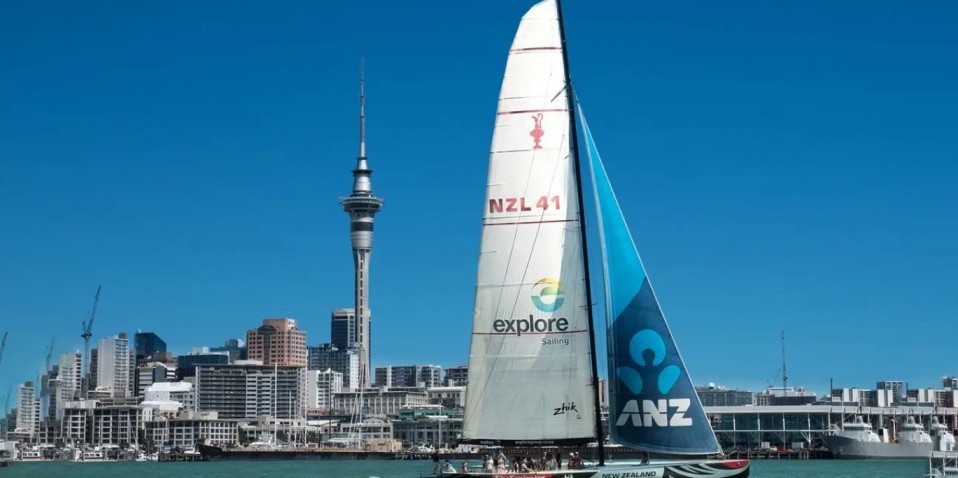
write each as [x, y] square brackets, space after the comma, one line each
[551, 464]
[448, 468]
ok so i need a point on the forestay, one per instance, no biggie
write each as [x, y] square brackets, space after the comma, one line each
[529, 362]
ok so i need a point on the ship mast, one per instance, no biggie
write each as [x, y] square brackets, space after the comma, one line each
[574, 143]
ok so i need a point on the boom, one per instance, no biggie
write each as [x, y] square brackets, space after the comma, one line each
[3, 345]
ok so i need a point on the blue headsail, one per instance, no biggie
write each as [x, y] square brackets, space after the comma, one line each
[652, 404]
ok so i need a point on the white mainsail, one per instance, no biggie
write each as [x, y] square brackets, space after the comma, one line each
[529, 364]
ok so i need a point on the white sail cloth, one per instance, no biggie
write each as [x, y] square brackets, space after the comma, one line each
[529, 363]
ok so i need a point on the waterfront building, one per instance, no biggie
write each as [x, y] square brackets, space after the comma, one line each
[458, 375]
[185, 429]
[438, 432]
[321, 385]
[378, 401]
[251, 390]
[28, 410]
[236, 348]
[930, 397]
[712, 396]
[376, 429]
[749, 425]
[897, 388]
[784, 396]
[181, 392]
[856, 396]
[430, 410]
[77, 421]
[115, 422]
[113, 366]
[409, 376]
[362, 206]
[330, 357]
[186, 364]
[447, 397]
[342, 327]
[277, 342]
[146, 345]
[949, 383]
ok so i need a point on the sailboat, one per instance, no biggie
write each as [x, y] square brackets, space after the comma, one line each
[532, 363]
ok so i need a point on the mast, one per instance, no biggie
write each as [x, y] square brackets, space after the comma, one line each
[574, 142]
[784, 370]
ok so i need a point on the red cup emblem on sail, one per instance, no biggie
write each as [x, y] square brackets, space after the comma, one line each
[537, 132]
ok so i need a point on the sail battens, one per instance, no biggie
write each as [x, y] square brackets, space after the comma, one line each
[519, 112]
[536, 48]
[529, 376]
[521, 223]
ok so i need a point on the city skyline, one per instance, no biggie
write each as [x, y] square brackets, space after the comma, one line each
[789, 168]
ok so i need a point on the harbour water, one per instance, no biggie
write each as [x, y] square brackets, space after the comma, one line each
[413, 469]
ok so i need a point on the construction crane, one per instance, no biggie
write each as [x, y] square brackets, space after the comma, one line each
[3, 345]
[88, 332]
[6, 411]
[50, 353]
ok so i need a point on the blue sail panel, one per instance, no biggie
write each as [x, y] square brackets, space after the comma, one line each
[652, 404]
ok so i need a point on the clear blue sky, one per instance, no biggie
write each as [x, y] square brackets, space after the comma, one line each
[781, 166]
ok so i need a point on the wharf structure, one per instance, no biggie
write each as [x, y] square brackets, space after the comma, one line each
[793, 418]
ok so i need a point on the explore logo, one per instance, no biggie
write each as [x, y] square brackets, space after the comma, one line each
[549, 295]
[648, 351]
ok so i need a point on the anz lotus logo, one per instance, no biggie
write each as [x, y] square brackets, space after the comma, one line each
[664, 412]
[549, 295]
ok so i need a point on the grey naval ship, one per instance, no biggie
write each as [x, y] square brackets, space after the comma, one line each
[857, 441]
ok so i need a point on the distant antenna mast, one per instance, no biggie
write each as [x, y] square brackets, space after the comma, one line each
[784, 371]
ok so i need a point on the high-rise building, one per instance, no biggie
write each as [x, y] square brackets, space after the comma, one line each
[342, 332]
[236, 348]
[186, 364]
[458, 375]
[409, 376]
[28, 409]
[277, 342]
[949, 383]
[344, 361]
[362, 207]
[113, 366]
[153, 372]
[251, 391]
[320, 387]
[69, 377]
[897, 388]
[147, 344]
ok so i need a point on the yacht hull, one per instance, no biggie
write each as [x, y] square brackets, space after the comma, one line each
[845, 448]
[684, 469]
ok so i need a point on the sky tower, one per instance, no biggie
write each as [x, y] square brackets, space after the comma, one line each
[362, 207]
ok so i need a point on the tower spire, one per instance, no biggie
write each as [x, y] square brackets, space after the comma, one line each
[362, 107]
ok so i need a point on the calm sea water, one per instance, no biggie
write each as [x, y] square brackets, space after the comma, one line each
[408, 469]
